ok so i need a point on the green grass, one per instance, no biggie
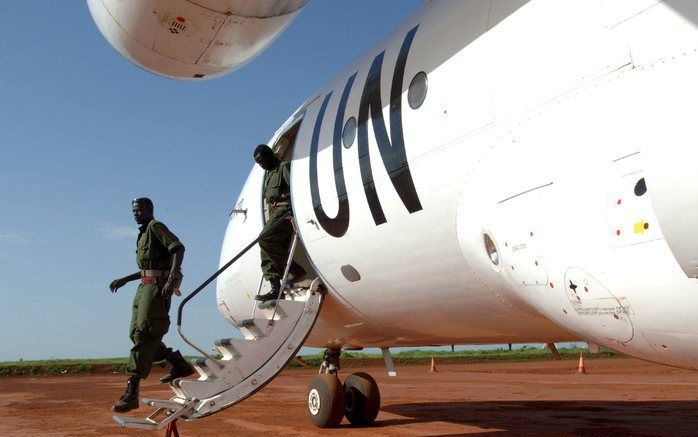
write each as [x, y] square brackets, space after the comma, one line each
[419, 356]
[64, 361]
[349, 359]
[62, 366]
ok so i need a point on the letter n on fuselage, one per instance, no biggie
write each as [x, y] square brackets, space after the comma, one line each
[391, 148]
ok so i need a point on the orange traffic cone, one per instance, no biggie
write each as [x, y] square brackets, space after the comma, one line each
[581, 369]
[433, 366]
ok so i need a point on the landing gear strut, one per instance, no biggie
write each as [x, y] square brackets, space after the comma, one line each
[328, 400]
[330, 361]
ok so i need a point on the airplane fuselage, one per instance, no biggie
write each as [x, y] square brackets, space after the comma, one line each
[514, 172]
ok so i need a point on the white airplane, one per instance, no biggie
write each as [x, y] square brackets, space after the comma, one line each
[494, 171]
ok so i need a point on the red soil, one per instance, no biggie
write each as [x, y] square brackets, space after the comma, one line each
[619, 397]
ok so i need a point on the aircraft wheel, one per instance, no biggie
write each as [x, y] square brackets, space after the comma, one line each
[325, 401]
[362, 400]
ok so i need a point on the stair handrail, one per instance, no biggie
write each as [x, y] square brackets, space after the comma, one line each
[287, 216]
[284, 278]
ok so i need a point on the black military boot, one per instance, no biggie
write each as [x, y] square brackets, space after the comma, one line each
[129, 400]
[273, 294]
[296, 274]
[180, 367]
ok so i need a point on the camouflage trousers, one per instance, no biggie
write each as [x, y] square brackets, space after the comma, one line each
[150, 321]
[274, 248]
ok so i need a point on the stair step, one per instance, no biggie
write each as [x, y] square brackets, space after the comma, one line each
[201, 389]
[208, 369]
[201, 367]
[234, 348]
[304, 284]
[270, 306]
[170, 411]
[134, 422]
[246, 323]
[296, 295]
[158, 403]
[276, 309]
[179, 393]
[253, 329]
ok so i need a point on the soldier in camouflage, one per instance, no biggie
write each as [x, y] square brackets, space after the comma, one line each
[274, 247]
[159, 255]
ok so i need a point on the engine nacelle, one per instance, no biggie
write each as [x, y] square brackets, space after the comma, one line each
[192, 39]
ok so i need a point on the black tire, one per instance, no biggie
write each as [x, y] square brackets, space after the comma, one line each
[325, 401]
[362, 399]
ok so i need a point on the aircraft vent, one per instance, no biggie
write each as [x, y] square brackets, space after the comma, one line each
[176, 26]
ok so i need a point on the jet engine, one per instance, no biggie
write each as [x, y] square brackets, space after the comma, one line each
[192, 39]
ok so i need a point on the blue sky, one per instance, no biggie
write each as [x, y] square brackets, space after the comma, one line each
[83, 131]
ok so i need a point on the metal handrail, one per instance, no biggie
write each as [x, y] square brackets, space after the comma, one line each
[287, 216]
[284, 278]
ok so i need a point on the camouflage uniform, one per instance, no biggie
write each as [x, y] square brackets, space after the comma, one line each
[274, 247]
[150, 319]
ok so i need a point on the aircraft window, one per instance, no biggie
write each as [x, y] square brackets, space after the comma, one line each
[491, 250]
[349, 132]
[418, 90]
[350, 272]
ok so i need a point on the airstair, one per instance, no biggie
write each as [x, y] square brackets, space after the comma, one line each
[271, 338]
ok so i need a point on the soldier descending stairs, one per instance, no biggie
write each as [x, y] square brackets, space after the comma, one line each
[279, 326]
[280, 323]
[271, 338]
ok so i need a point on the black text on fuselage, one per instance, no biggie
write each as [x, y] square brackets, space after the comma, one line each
[391, 147]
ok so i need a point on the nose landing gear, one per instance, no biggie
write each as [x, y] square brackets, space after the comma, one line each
[328, 400]
[325, 401]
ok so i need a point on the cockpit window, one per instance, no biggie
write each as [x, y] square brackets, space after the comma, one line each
[491, 249]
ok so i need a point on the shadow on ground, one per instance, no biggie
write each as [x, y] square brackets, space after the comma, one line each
[557, 418]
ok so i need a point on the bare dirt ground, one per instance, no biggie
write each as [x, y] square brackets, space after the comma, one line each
[620, 397]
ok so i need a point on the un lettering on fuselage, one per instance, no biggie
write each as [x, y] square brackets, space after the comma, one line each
[391, 147]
